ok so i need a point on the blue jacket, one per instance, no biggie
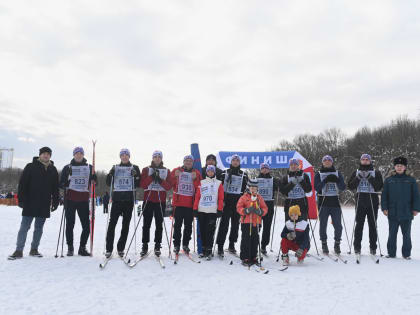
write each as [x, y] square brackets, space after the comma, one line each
[400, 197]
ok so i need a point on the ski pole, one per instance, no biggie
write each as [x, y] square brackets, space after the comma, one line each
[194, 233]
[215, 235]
[319, 213]
[164, 225]
[354, 223]
[107, 216]
[250, 241]
[310, 227]
[62, 237]
[274, 220]
[345, 229]
[376, 225]
[93, 201]
[172, 226]
[259, 245]
[59, 233]
[134, 216]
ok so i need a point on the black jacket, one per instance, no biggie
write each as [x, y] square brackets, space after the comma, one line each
[219, 173]
[123, 195]
[286, 187]
[38, 189]
[232, 199]
[328, 201]
[276, 183]
[363, 200]
[65, 173]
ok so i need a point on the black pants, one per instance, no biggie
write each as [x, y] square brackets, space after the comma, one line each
[150, 210]
[249, 243]
[207, 222]
[82, 208]
[302, 203]
[124, 209]
[229, 214]
[105, 208]
[183, 215]
[361, 214]
[267, 220]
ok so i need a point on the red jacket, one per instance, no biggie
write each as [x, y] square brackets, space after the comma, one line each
[246, 202]
[154, 196]
[181, 200]
[220, 196]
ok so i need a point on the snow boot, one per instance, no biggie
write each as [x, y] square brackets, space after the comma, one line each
[157, 249]
[337, 248]
[186, 249]
[325, 248]
[35, 253]
[121, 253]
[70, 250]
[18, 254]
[176, 250]
[144, 249]
[246, 262]
[108, 255]
[83, 251]
[357, 250]
[285, 259]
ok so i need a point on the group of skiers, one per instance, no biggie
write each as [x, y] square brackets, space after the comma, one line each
[217, 198]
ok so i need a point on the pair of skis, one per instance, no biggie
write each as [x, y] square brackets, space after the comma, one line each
[374, 258]
[188, 255]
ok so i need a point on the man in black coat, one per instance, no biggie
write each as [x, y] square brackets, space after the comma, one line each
[368, 182]
[38, 195]
[211, 160]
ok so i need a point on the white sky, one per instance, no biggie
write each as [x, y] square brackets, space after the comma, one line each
[230, 75]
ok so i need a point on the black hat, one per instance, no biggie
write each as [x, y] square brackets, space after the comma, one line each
[211, 157]
[45, 149]
[400, 160]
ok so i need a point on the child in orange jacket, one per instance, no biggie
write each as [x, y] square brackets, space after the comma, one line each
[251, 206]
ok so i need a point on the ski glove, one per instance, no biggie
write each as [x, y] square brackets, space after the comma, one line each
[294, 180]
[195, 213]
[258, 212]
[54, 206]
[20, 204]
[299, 253]
[247, 210]
[133, 172]
[291, 236]
[139, 209]
[332, 178]
[94, 177]
[219, 214]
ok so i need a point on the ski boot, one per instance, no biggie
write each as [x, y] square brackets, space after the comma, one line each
[35, 253]
[337, 248]
[357, 250]
[285, 259]
[203, 253]
[220, 251]
[373, 251]
[232, 249]
[246, 263]
[121, 253]
[144, 249]
[407, 258]
[186, 249]
[157, 250]
[264, 251]
[325, 248]
[70, 250]
[18, 254]
[176, 250]
[108, 255]
[83, 251]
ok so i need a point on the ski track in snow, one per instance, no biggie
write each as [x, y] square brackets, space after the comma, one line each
[76, 285]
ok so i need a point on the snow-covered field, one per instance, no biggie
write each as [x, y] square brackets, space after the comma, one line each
[77, 286]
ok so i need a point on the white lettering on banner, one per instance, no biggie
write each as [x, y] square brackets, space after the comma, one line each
[330, 189]
[267, 160]
[123, 181]
[163, 173]
[209, 195]
[281, 159]
[255, 160]
[265, 188]
[365, 186]
[79, 179]
[185, 184]
[235, 187]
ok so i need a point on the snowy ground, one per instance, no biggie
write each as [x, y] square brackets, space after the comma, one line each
[77, 285]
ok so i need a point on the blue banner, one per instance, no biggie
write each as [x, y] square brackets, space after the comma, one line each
[250, 160]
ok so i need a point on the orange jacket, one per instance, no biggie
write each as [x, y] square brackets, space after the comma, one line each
[246, 202]
[181, 200]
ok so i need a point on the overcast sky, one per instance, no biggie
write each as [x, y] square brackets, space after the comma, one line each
[230, 75]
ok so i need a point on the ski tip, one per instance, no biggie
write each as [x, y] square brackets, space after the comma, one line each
[231, 262]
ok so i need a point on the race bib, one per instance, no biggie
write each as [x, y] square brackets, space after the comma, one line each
[185, 184]
[163, 173]
[265, 188]
[330, 189]
[365, 186]
[209, 196]
[297, 192]
[79, 179]
[123, 181]
[235, 187]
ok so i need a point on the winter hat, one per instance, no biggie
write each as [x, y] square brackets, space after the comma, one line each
[78, 150]
[366, 156]
[211, 157]
[189, 157]
[125, 151]
[45, 150]
[294, 210]
[236, 157]
[211, 168]
[252, 182]
[401, 160]
[157, 153]
[294, 161]
[327, 158]
[264, 165]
